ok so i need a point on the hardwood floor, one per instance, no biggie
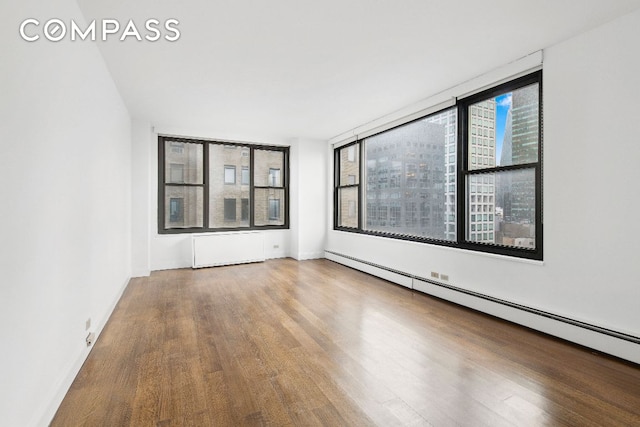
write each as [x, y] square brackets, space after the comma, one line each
[316, 343]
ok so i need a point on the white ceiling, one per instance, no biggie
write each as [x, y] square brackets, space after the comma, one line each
[314, 69]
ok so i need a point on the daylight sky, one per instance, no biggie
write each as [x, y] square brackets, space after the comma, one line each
[503, 104]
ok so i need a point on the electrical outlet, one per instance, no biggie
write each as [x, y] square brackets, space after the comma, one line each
[87, 324]
[435, 275]
[444, 276]
[90, 339]
[276, 246]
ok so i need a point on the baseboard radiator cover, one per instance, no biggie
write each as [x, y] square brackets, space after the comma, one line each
[527, 316]
[227, 248]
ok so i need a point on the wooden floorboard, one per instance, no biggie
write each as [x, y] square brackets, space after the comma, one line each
[288, 343]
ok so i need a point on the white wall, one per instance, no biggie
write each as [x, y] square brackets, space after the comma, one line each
[141, 137]
[65, 169]
[308, 201]
[590, 271]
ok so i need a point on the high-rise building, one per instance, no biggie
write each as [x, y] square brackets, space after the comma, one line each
[481, 194]
[449, 123]
[515, 190]
[406, 180]
[525, 150]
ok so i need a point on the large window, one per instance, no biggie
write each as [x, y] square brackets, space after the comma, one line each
[348, 185]
[407, 176]
[469, 176]
[210, 186]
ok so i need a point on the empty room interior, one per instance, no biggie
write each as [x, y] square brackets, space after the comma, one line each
[320, 213]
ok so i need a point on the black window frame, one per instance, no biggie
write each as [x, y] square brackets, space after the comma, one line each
[357, 186]
[162, 184]
[462, 173]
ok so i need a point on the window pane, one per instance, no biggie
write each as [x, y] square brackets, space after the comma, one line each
[275, 177]
[183, 207]
[350, 165]
[245, 175]
[410, 178]
[508, 198]
[269, 206]
[274, 209]
[224, 163]
[348, 208]
[176, 209]
[183, 163]
[229, 209]
[244, 215]
[268, 168]
[513, 131]
[229, 174]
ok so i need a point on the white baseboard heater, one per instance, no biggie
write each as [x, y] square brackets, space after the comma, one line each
[617, 343]
[215, 249]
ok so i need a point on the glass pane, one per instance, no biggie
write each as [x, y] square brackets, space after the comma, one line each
[503, 130]
[269, 206]
[244, 210]
[348, 209]
[245, 175]
[183, 163]
[501, 208]
[229, 174]
[183, 207]
[350, 165]
[230, 210]
[268, 168]
[410, 186]
[227, 187]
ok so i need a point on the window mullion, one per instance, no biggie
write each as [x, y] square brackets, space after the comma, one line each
[252, 204]
[360, 203]
[461, 176]
[205, 177]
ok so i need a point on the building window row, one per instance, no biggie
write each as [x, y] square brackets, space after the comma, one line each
[212, 186]
[469, 176]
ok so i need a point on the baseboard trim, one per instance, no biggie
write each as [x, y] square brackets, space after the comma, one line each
[44, 417]
[301, 256]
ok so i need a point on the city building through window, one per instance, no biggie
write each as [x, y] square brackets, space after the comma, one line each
[245, 186]
[468, 176]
